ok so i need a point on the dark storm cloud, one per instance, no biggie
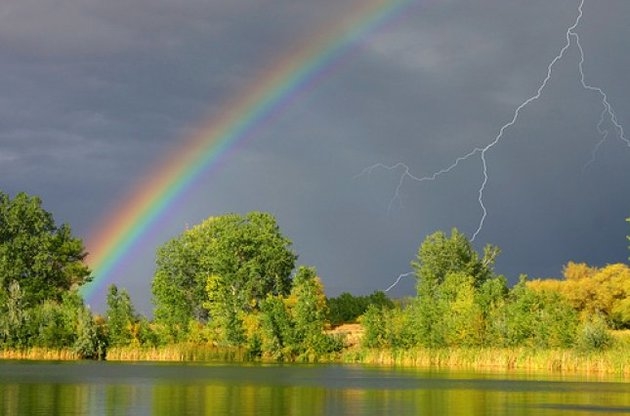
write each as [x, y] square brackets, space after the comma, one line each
[95, 93]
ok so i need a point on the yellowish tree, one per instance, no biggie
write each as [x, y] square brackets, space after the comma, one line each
[593, 291]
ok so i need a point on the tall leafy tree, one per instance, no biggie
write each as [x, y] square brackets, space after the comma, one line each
[440, 255]
[43, 258]
[120, 317]
[90, 342]
[491, 298]
[308, 308]
[457, 289]
[277, 333]
[463, 316]
[246, 257]
[13, 317]
[292, 328]
[226, 311]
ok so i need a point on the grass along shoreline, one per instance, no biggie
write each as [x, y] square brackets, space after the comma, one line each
[39, 354]
[184, 352]
[614, 361]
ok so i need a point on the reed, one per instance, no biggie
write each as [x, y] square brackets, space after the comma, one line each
[612, 361]
[177, 352]
[36, 353]
[615, 360]
[203, 352]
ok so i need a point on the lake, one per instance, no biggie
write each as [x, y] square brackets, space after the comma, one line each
[107, 388]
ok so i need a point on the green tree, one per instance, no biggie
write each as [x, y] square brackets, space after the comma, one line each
[121, 317]
[541, 319]
[374, 326]
[347, 308]
[226, 311]
[53, 324]
[14, 317]
[276, 329]
[246, 257]
[491, 298]
[292, 328]
[463, 316]
[250, 254]
[440, 255]
[178, 287]
[90, 340]
[46, 260]
[50, 324]
[309, 311]
[450, 276]
[430, 309]
[399, 326]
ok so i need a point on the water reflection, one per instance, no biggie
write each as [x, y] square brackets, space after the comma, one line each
[175, 389]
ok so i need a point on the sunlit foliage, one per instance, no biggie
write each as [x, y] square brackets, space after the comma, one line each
[594, 291]
[121, 319]
[41, 268]
[224, 266]
[43, 258]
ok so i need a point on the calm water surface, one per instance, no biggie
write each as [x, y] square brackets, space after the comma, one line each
[100, 388]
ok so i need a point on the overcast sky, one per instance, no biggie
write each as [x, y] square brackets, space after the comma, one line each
[93, 94]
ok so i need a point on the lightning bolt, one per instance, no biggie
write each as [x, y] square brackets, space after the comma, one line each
[607, 115]
[398, 279]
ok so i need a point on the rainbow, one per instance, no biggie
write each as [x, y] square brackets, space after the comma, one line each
[270, 93]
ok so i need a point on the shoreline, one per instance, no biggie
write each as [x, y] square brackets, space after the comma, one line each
[614, 362]
[611, 362]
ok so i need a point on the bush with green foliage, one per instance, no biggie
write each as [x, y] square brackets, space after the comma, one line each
[374, 327]
[593, 335]
[537, 319]
[91, 340]
[292, 328]
[51, 324]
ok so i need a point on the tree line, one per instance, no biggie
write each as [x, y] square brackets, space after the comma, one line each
[41, 269]
[233, 282]
[461, 302]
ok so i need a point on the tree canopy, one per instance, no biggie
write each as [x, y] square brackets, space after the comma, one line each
[457, 291]
[347, 308]
[594, 291]
[45, 260]
[245, 257]
[439, 255]
[228, 282]
[120, 316]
